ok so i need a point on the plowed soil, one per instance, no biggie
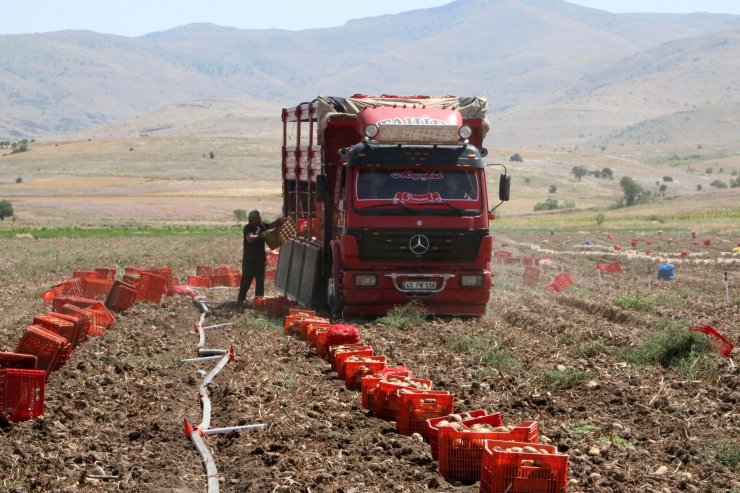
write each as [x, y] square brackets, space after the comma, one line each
[114, 414]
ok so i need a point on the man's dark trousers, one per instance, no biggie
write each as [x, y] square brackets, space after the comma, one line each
[252, 271]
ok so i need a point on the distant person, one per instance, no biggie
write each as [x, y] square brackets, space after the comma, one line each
[254, 258]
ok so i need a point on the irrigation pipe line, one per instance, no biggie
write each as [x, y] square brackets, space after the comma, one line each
[203, 429]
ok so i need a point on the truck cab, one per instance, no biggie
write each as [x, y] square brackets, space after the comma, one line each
[401, 212]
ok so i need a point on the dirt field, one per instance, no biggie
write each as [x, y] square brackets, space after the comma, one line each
[117, 407]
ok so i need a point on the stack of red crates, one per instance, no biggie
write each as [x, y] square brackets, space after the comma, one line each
[101, 318]
[207, 276]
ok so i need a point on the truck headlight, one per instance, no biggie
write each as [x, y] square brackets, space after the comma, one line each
[371, 130]
[365, 280]
[465, 132]
[471, 280]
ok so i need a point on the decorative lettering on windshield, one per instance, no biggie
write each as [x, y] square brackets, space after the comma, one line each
[415, 175]
[412, 120]
[411, 198]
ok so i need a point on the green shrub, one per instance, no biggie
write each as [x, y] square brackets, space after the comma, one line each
[725, 452]
[516, 157]
[600, 218]
[718, 184]
[565, 379]
[635, 302]
[672, 345]
[485, 351]
[548, 205]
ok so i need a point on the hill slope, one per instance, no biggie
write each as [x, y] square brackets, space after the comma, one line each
[516, 51]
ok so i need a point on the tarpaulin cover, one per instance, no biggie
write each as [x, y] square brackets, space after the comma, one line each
[667, 272]
[469, 107]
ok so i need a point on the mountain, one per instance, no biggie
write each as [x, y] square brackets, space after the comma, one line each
[534, 59]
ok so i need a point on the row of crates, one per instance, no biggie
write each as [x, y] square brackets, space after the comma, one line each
[137, 285]
[44, 347]
[465, 453]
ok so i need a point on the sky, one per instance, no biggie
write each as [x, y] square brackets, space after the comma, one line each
[137, 17]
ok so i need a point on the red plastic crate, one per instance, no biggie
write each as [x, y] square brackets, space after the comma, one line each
[108, 273]
[222, 269]
[273, 306]
[71, 287]
[104, 319]
[415, 408]
[369, 386]
[18, 361]
[433, 431]
[50, 349]
[166, 274]
[151, 287]
[460, 452]
[199, 281]
[224, 280]
[81, 323]
[503, 472]
[93, 287]
[83, 273]
[203, 270]
[387, 394]
[21, 393]
[58, 325]
[308, 331]
[339, 357]
[354, 371]
[89, 324]
[122, 296]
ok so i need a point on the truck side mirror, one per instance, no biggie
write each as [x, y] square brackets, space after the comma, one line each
[504, 187]
[321, 191]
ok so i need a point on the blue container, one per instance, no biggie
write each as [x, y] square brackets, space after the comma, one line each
[666, 272]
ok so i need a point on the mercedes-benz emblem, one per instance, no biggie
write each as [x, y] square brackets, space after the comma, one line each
[419, 244]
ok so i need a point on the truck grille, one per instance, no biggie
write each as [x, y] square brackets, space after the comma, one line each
[443, 246]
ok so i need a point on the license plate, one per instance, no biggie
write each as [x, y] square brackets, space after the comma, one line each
[424, 285]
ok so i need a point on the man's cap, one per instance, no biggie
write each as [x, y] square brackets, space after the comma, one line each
[254, 213]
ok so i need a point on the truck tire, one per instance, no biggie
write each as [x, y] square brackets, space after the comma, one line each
[334, 299]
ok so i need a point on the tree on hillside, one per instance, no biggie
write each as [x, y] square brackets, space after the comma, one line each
[607, 173]
[579, 172]
[553, 188]
[632, 190]
[516, 157]
[6, 209]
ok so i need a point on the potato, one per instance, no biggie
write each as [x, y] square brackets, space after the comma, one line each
[455, 417]
[530, 450]
[527, 462]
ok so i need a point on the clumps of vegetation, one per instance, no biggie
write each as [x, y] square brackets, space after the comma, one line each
[484, 350]
[671, 345]
[259, 322]
[516, 157]
[635, 302]
[552, 204]
[553, 188]
[600, 218]
[634, 193]
[19, 179]
[15, 147]
[580, 171]
[405, 316]
[240, 215]
[709, 171]
[668, 179]
[725, 452]
[556, 379]
[718, 184]
[6, 209]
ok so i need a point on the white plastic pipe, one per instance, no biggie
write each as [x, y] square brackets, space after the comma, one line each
[208, 461]
[203, 391]
[215, 431]
[218, 326]
[202, 358]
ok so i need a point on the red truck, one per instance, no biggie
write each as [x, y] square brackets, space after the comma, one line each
[389, 196]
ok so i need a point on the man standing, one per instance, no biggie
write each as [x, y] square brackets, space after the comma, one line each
[254, 258]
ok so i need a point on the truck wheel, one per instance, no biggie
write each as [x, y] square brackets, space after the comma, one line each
[334, 299]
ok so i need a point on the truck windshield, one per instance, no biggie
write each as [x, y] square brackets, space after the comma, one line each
[417, 189]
